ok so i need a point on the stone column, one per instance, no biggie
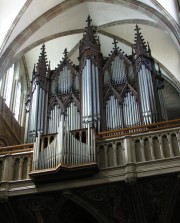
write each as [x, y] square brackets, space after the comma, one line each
[8, 168]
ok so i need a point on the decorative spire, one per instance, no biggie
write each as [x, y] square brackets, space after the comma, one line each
[42, 62]
[140, 46]
[48, 70]
[34, 70]
[89, 34]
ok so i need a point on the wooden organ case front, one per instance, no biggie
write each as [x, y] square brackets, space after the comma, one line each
[68, 105]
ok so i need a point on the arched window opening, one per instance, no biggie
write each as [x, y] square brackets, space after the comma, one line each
[77, 135]
[8, 85]
[18, 101]
[84, 137]
[45, 142]
[51, 139]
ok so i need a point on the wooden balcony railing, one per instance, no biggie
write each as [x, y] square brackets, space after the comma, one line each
[138, 129]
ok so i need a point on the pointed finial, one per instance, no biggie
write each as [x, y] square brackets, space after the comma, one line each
[137, 28]
[148, 48]
[115, 44]
[89, 20]
[65, 53]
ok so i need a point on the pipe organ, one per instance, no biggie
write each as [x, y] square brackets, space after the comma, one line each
[99, 94]
[90, 95]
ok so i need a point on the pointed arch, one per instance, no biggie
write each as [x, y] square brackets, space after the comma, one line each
[83, 204]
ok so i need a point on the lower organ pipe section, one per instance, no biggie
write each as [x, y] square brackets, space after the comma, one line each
[72, 118]
[65, 148]
[54, 119]
[125, 115]
[37, 113]
[147, 96]
[130, 111]
[113, 114]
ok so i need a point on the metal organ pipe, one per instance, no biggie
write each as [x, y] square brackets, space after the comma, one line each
[145, 88]
[148, 92]
[89, 64]
[126, 106]
[143, 96]
[98, 95]
[153, 96]
[116, 69]
[39, 110]
[133, 110]
[118, 74]
[36, 110]
[141, 93]
[128, 109]
[42, 111]
[110, 111]
[85, 91]
[94, 91]
[90, 94]
[120, 71]
[113, 112]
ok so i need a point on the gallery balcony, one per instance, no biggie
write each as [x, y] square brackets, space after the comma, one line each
[118, 155]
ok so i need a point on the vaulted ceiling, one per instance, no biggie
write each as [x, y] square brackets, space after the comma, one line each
[25, 25]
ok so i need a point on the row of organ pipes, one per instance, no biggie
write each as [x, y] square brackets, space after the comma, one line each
[118, 70]
[65, 81]
[65, 148]
[90, 95]
[147, 96]
[122, 115]
[133, 104]
[72, 118]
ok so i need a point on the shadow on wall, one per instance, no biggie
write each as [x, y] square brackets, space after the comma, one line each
[172, 101]
[3, 142]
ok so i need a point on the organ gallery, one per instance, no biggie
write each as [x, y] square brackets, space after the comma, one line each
[69, 105]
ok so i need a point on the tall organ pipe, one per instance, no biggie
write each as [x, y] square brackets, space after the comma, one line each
[94, 90]
[36, 111]
[149, 92]
[98, 95]
[144, 100]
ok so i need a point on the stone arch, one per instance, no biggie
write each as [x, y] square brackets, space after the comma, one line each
[69, 200]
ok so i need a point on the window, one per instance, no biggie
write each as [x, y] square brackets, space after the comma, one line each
[18, 100]
[8, 85]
